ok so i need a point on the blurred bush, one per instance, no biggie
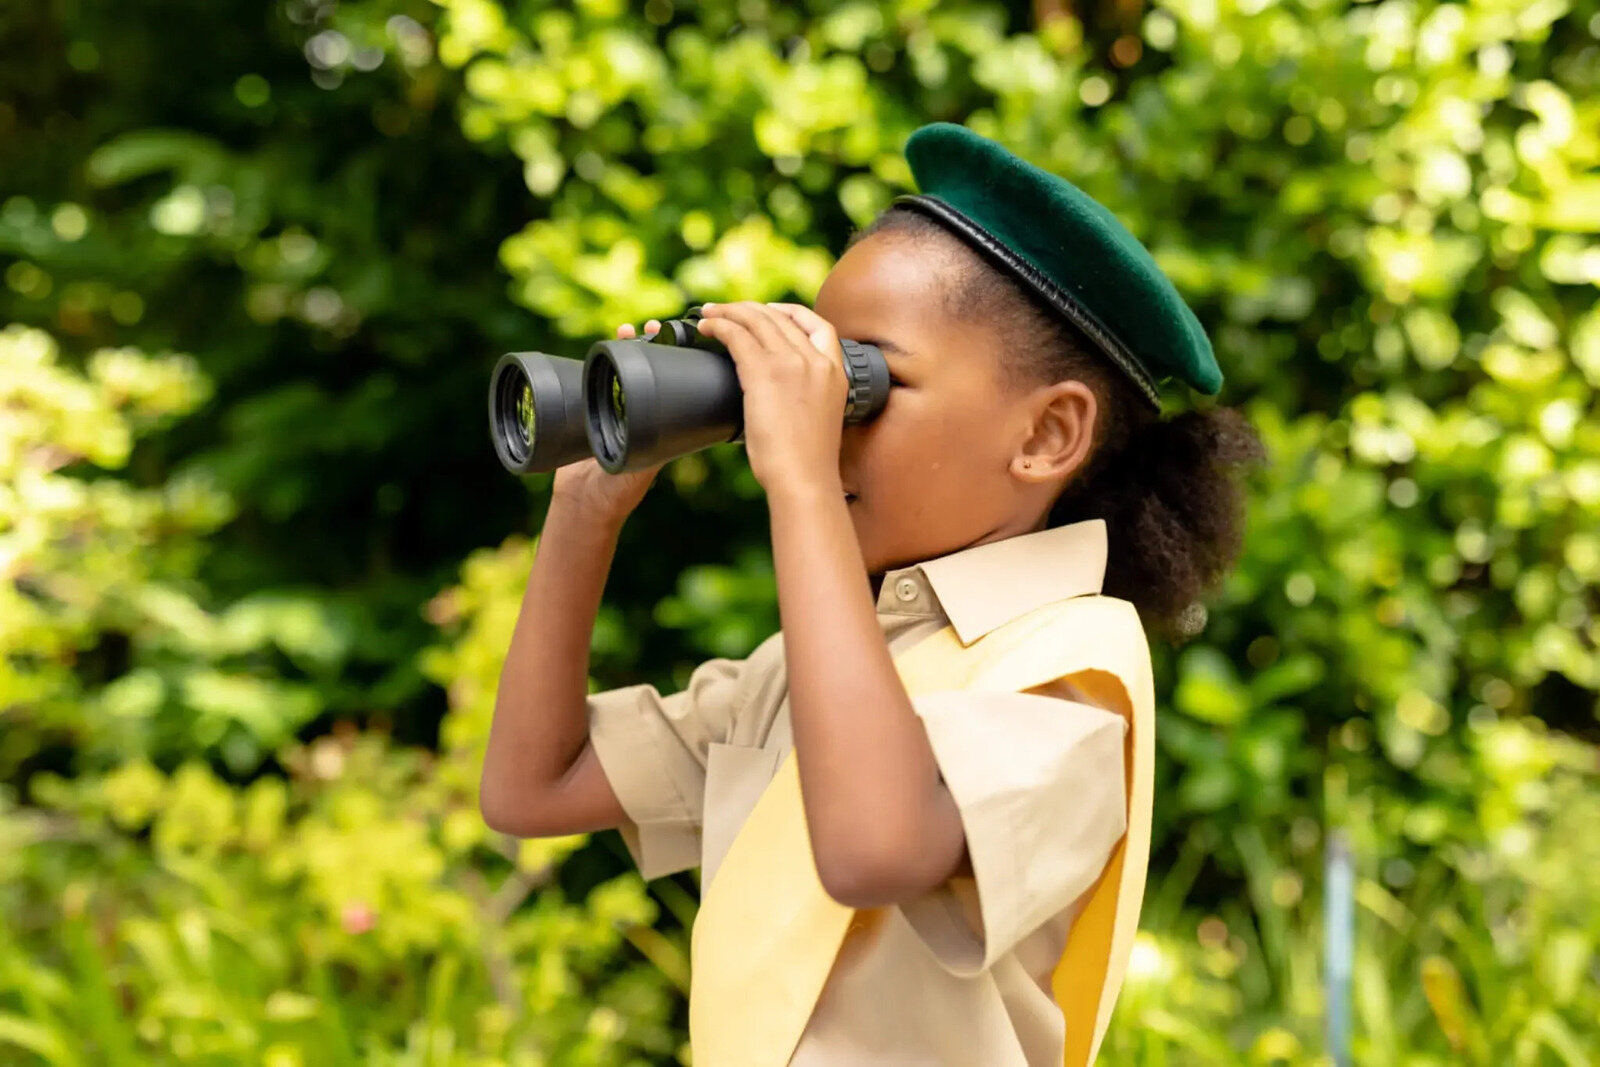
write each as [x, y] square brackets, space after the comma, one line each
[107, 653]
[1384, 212]
[1487, 956]
[354, 909]
[189, 177]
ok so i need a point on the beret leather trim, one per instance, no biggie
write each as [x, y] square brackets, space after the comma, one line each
[1048, 291]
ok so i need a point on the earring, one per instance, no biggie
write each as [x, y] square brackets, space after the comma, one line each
[1027, 463]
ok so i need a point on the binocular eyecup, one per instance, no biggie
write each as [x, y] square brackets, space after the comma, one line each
[633, 403]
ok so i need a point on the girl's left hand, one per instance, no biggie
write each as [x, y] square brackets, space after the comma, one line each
[791, 370]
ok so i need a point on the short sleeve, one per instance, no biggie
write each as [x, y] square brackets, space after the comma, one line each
[653, 751]
[1040, 785]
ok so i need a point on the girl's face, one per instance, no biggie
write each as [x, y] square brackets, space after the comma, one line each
[941, 467]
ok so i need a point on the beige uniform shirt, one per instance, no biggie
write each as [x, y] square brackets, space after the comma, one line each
[960, 975]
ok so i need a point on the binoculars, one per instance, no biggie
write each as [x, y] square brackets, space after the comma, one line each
[633, 403]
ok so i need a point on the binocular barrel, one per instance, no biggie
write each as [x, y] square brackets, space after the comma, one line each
[536, 411]
[634, 403]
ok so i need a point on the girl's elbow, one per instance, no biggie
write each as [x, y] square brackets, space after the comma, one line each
[852, 887]
[503, 817]
[867, 877]
[507, 809]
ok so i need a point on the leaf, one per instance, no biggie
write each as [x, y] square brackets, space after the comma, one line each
[1208, 689]
[35, 1037]
[1210, 787]
[197, 159]
[1288, 677]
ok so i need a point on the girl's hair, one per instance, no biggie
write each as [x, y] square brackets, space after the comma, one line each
[1167, 489]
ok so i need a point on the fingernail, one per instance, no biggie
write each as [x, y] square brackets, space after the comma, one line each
[707, 304]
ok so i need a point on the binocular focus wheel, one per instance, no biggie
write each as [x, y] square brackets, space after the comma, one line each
[859, 367]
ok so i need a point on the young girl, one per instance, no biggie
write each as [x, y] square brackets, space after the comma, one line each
[1020, 461]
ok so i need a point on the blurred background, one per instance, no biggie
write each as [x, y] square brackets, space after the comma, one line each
[260, 564]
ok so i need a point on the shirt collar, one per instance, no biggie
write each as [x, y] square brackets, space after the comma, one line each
[985, 586]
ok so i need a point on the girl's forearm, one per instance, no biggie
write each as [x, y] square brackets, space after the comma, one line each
[883, 826]
[540, 723]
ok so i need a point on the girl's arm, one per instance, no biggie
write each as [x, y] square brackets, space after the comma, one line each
[884, 828]
[540, 775]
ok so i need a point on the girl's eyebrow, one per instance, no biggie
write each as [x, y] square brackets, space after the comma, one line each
[887, 346]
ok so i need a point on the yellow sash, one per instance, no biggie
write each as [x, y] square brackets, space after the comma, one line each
[767, 932]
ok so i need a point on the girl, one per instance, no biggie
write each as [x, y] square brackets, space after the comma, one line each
[1020, 462]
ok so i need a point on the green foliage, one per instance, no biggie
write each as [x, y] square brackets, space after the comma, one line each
[357, 912]
[326, 254]
[89, 557]
[1486, 957]
[1385, 213]
[354, 910]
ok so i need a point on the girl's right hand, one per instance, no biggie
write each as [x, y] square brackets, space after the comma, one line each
[585, 485]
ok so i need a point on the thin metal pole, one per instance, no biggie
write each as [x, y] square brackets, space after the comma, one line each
[1338, 928]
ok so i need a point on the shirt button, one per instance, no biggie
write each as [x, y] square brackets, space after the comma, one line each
[906, 589]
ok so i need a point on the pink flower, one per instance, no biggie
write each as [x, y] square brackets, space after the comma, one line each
[358, 918]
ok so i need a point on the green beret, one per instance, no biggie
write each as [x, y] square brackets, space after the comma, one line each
[1063, 245]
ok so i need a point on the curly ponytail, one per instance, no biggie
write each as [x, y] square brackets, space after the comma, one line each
[1168, 489]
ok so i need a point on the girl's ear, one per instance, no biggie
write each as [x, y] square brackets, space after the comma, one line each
[1063, 416]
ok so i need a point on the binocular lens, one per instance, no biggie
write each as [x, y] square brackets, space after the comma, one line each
[516, 421]
[608, 422]
[619, 402]
[526, 425]
[536, 411]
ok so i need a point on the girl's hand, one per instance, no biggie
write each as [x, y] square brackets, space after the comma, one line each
[791, 370]
[606, 498]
